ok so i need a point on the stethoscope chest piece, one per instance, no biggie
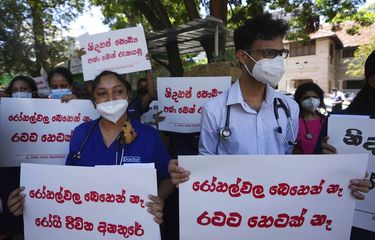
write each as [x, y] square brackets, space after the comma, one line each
[225, 133]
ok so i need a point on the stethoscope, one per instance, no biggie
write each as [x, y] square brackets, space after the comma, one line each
[120, 139]
[225, 133]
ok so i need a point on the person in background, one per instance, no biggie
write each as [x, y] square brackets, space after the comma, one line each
[362, 104]
[338, 99]
[145, 95]
[60, 81]
[310, 99]
[22, 87]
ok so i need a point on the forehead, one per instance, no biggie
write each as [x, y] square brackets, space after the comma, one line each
[276, 43]
[310, 94]
[59, 79]
[20, 83]
[109, 81]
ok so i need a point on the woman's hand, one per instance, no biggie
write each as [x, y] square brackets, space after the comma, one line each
[68, 97]
[178, 174]
[328, 148]
[155, 207]
[16, 201]
[360, 185]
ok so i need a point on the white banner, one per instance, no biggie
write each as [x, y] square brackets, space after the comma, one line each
[353, 134]
[259, 197]
[148, 117]
[39, 130]
[121, 51]
[181, 100]
[88, 202]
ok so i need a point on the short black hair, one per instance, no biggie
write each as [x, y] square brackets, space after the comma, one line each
[96, 82]
[309, 86]
[29, 81]
[66, 73]
[262, 27]
[142, 80]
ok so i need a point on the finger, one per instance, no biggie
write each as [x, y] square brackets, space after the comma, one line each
[325, 139]
[328, 149]
[361, 182]
[15, 195]
[178, 181]
[155, 206]
[157, 214]
[358, 195]
[158, 220]
[156, 199]
[17, 208]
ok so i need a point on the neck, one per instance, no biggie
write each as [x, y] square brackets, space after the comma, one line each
[253, 91]
[113, 127]
[307, 115]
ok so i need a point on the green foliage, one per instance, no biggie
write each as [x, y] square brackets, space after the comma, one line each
[17, 24]
[356, 65]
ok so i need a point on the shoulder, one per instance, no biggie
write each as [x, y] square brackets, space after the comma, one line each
[84, 128]
[290, 102]
[143, 128]
[217, 103]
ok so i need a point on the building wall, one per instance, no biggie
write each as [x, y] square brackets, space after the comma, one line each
[316, 67]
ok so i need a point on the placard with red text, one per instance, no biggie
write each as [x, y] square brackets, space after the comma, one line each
[39, 130]
[274, 197]
[66, 202]
[353, 134]
[121, 51]
[181, 100]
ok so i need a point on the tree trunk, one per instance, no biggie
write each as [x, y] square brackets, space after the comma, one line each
[38, 31]
[218, 8]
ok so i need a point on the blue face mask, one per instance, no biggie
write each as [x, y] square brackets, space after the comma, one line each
[21, 94]
[60, 92]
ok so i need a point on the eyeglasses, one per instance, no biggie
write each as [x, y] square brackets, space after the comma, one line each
[270, 53]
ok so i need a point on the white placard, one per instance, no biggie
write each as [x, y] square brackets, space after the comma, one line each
[39, 130]
[274, 197]
[354, 134]
[181, 100]
[148, 117]
[121, 51]
[88, 202]
[42, 85]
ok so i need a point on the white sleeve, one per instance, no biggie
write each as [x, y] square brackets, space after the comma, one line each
[209, 138]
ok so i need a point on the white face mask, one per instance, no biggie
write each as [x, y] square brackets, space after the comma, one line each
[310, 104]
[267, 71]
[112, 110]
[21, 94]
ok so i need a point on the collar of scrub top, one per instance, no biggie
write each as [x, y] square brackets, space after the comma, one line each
[235, 95]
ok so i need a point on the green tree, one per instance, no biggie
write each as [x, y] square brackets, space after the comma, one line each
[29, 29]
[356, 65]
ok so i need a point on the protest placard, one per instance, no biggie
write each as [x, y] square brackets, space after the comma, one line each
[181, 100]
[148, 117]
[353, 134]
[274, 197]
[121, 51]
[88, 202]
[39, 130]
[42, 85]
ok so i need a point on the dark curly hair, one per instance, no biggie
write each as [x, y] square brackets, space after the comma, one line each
[309, 86]
[262, 27]
[29, 81]
[66, 73]
[97, 79]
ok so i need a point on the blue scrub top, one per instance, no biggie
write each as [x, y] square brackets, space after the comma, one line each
[148, 147]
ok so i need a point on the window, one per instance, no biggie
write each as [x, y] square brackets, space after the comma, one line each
[302, 48]
[348, 53]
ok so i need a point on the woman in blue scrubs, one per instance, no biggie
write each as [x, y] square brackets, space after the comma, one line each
[113, 139]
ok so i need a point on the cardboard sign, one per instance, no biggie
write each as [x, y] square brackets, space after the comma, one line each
[148, 117]
[268, 197]
[121, 51]
[181, 100]
[88, 202]
[39, 130]
[354, 134]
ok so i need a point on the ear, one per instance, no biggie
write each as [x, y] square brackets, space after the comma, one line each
[242, 57]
